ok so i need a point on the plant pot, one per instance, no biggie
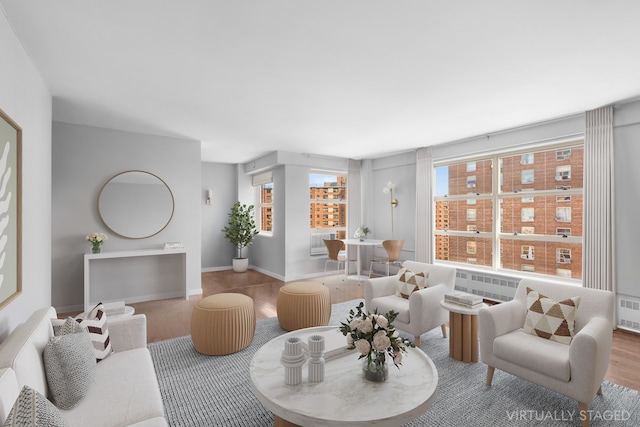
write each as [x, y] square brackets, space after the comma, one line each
[240, 265]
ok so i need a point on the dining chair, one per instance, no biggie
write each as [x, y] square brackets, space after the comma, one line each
[393, 249]
[338, 254]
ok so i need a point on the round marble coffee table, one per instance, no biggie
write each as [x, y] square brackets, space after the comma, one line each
[344, 398]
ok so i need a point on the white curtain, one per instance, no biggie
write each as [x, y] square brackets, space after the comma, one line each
[424, 205]
[598, 249]
[354, 194]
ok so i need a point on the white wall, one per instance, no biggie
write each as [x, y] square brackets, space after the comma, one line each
[26, 99]
[84, 158]
[217, 252]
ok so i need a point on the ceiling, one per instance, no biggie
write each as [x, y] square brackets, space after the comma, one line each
[356, 78]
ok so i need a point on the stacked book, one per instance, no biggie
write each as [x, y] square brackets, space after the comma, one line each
[464, 299]
[113, 308]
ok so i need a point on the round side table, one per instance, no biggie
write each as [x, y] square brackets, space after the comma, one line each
[463, 331]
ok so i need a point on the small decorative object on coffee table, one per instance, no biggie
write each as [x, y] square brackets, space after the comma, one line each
[96, 239]
[316, 359]
[375, 337]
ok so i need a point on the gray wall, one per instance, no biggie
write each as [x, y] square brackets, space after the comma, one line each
[26, 99]
[217, 252]
[83, 159]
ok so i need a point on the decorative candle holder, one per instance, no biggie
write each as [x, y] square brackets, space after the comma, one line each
[292, 359]
[316, 359]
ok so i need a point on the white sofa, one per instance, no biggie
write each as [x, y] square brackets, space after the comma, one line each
[575, 370]
[421, 312]
[125, 391]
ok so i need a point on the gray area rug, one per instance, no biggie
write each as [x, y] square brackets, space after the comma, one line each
[200, 390]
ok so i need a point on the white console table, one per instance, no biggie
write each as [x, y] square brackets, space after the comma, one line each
[134, 276]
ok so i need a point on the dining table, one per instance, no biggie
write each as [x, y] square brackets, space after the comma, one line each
[358, 244]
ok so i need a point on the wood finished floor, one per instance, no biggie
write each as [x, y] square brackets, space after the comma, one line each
[171, 318]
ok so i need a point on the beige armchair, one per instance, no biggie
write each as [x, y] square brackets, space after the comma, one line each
[421, 312]
[576, 369]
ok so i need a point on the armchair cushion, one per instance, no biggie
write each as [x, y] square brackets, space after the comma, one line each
[392, 302]
[409, 281]
[533, 353]
[550, 319]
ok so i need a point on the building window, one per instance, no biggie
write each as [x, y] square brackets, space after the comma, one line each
[517, 223]
[528, 230]
[563, 173]
[263, 185]
[527, 252]
[471, 182]
[471, 248]
[528, 267]
[563, 256]
[472, 261]
[563, 214]
[526, 159]
[471, 215]
[528, 215]
[471, 166]
[328, 204]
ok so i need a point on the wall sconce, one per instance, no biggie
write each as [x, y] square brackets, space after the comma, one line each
[389, 190]
[394, 202]
[209, 196]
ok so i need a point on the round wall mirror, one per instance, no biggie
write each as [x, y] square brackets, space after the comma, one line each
[135, 204]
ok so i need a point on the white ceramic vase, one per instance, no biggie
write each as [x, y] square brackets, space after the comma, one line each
[240, 265]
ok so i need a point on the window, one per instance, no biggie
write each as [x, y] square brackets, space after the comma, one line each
[563, 173]
[563, 256]
[526, 159]
[528, 230]
[328, 204]
[527, 252]
[563, 214]
[263, 185]
[471, 215]
[532, 227]
[472, 261]
[471, 167]
[471, 248]
[528, 214]
[471, 182]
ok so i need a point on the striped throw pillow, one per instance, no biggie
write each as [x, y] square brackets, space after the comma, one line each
[96, 324]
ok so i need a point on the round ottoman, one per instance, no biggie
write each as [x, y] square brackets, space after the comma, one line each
[303, 305]
[223, 324]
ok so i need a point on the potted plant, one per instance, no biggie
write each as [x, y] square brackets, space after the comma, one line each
[240, 230]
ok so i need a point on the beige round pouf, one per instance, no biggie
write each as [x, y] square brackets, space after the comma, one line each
[303, 305]
[223, 324]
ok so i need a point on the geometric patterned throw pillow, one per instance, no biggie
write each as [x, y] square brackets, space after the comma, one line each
[409, 282]
[553, 320]
[96, 324]
[70, 368]
[33, 409]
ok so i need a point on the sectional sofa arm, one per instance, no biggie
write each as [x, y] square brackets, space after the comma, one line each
[128, 332]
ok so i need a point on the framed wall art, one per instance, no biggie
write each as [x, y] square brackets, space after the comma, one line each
[10, 209]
